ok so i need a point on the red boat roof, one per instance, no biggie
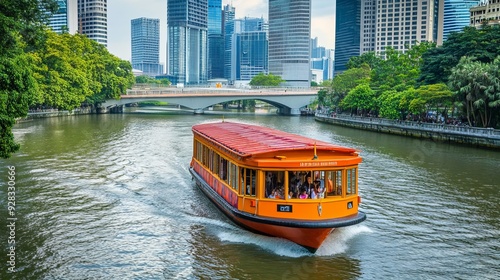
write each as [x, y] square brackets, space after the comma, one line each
[247, 140]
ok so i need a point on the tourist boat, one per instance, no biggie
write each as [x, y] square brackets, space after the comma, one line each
[276, 183]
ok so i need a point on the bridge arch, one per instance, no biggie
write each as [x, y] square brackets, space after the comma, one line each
[288, 102]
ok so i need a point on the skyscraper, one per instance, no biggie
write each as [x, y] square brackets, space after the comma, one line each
[66, 17]
[347, 32]
[187, 40]
[145, 36]
[247, 53]
[215, 40]
[373, 25]
[228, 14]
[93, 20]
[456, 15]
[289, 41]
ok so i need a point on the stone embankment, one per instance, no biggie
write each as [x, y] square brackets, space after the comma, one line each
[472, 136]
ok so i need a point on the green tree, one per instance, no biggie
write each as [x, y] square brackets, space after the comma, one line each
[475, 85]
[266, 80]
[345, 82]
[480, 43]
[21, 26]
[361, 98]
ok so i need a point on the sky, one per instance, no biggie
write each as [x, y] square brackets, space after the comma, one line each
[121, 12]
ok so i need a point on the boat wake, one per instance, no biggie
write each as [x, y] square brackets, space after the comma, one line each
[336, 243]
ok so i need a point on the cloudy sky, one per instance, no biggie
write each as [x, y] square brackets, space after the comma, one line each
[121, 12]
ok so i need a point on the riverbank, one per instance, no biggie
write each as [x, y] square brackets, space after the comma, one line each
[472, 136]
[50, 113]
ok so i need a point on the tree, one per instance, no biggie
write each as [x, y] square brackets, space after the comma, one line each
[362, 97]
[479, 43]
[21, 23]
[476, 85]
[266, 80]
[345, 82]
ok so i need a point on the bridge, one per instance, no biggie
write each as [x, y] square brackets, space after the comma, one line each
[287, 100]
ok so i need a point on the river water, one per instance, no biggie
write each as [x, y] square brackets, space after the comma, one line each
[110, 197]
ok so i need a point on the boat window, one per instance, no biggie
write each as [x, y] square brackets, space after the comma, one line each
[250, 176]
[233, 175]
[274, 187]
[351, 181]
[334, 187]
[223, 169]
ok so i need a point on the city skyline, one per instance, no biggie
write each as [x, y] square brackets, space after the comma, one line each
[121, 12]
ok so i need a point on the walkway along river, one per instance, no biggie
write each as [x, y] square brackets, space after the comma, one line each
[473, 136]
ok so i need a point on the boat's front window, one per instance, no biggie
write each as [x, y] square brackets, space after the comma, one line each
[334, 183]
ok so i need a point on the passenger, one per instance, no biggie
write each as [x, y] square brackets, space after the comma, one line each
[308, 185]
[303, 193]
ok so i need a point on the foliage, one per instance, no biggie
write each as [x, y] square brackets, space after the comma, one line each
[21, 23]
[73, 69]
[476, 86]
[345, 82]
[362, 97]
[369, 58]
[145, 79]
[266, 80]
[479, 43]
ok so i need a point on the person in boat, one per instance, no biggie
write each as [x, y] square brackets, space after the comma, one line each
[303, 193]
[308, 185]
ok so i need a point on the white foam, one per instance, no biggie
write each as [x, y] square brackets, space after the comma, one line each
[338, 241]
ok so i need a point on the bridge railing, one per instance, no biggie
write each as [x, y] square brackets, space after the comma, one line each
[208, 90]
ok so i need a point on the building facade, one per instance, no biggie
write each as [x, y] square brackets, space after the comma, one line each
[289, 41]
[487, 11]
[187, 22]
[145, 43]
[457, 15]
[215, 40]
[93, 20]
[66, 17]
[374, 25]
[347, 32]
[247, 49]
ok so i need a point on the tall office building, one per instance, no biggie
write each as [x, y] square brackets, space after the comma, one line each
[93, 20]
[145, 36]
[66, 17]
[187, 40]
[228, 14]
[456, 15]
[215, 40]
[373, 25]
[347, 32]
[289, 41]
[247, 53]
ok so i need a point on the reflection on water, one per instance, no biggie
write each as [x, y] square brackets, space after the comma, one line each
[111, 195]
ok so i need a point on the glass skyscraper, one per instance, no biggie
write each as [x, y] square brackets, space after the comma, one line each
[289, 41]
[347, 32]
[66, 17]
[456, 15]
[93, 20]
[247, 49]
[145, 36]
[187, 22]
[227, 30]
[215, 40]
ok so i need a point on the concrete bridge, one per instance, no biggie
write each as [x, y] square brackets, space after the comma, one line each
[287, 100]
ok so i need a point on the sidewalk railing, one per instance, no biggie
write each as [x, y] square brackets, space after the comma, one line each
[434, 127]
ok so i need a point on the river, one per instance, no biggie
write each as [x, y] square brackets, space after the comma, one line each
[110, 197]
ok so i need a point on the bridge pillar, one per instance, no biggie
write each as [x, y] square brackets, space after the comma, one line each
[289, 111]
[199, 111]
[295, 111]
